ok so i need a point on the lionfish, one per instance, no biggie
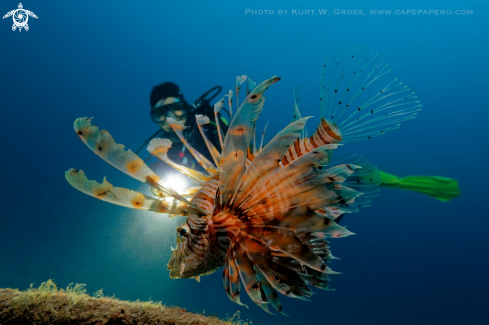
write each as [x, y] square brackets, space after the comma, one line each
[264, 212]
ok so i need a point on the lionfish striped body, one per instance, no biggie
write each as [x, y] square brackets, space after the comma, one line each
[263, 213]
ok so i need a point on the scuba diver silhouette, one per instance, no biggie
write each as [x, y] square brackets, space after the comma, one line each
[167, 101]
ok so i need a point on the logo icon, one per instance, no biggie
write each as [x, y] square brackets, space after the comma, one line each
[20, 17]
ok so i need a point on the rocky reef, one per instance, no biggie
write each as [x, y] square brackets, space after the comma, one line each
[50, 305]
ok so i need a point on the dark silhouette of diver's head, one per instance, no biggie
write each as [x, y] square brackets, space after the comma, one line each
[167, 100]
[165, 90]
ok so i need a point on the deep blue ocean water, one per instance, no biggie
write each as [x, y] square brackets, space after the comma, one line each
[413, 260]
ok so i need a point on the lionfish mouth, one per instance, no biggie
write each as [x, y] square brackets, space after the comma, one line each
[178, 272]
[174, 274]
[176, 264]
[194, 267]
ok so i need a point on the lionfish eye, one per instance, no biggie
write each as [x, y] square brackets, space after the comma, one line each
[182, 232]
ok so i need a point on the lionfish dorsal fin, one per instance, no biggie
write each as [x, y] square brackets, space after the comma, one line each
[230, 103]
[296, 114]
[217, 108]
[239, 82]
[202, 160]
[360, 96]
[267, 160]
[216, 155]
[237, 140]
[297, 102]
[250, 86]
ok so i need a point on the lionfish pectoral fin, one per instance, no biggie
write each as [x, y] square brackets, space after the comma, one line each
[231, 278]
[286, 242]
[159, 148]
[121, 196]
[248, 277]
[283, 279]
[269, 292]
[104, 146]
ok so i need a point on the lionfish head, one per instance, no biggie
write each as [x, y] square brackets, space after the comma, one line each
[195, 254]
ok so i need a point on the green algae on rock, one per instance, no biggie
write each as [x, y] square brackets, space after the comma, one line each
[50, 305]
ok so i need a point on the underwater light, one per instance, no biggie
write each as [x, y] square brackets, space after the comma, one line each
[175, 182]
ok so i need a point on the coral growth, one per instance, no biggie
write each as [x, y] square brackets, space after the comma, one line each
[50, 305]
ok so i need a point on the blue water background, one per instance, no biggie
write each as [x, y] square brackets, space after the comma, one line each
[413, 260]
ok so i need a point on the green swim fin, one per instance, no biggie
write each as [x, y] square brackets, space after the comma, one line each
[440, 188]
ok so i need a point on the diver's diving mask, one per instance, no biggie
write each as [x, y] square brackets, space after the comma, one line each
[168, 107]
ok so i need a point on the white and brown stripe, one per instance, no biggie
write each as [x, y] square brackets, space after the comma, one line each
[206, 195]
[326, 133]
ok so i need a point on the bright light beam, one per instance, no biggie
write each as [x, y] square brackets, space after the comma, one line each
[177, 183]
